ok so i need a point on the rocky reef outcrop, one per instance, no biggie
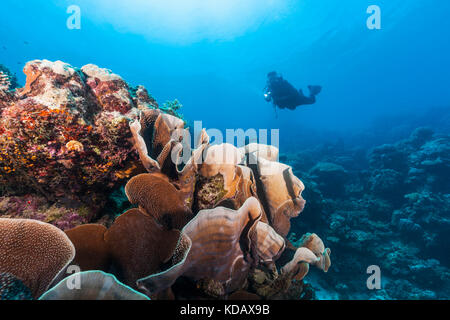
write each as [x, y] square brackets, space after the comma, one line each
[390, 209]
[208, 222]
[65, 139]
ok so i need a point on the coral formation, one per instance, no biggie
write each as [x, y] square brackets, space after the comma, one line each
[134, 246]
[94, 285]
[91, 249]
[139, 246]
[172, 108]
[8, 81]
[8, 84]
[33, 252]
[283, 193]
[36, 207]
[159, 199]
[391, 212]
[210, 222]
[270, 244]
[210, 248]
[65, 136]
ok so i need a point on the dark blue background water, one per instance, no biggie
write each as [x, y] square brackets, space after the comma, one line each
[214, 56]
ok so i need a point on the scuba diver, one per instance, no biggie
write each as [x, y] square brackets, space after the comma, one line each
[284, 95]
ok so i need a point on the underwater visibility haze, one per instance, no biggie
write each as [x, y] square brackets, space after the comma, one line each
[344, 192]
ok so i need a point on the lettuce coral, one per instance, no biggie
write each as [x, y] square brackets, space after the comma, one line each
[96, 285]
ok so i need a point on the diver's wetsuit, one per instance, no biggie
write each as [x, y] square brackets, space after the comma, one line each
[284, 95]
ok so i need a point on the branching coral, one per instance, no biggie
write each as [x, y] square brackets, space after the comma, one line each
[8, 83]
[172, 108]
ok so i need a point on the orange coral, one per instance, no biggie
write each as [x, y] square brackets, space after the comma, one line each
[74, 145]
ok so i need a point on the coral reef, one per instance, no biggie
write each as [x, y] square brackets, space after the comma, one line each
[210, 222]
[65, 137]
[392, 211]
[8, 81]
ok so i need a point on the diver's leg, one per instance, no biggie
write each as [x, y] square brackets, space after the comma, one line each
[309, 100]
[314, 90]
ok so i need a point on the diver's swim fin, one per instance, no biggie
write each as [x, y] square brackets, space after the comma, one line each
[314, 90]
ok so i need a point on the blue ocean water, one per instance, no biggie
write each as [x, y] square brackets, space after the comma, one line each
[214, 56]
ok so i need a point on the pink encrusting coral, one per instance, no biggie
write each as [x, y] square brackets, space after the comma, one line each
[38, 208]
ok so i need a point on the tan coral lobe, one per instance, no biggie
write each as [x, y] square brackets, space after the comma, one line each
[35, 252]
[315, 244]
[269, 244]
[282, 191]
[91, 249]
[158, 198]
[301, 255]
[212, 247]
